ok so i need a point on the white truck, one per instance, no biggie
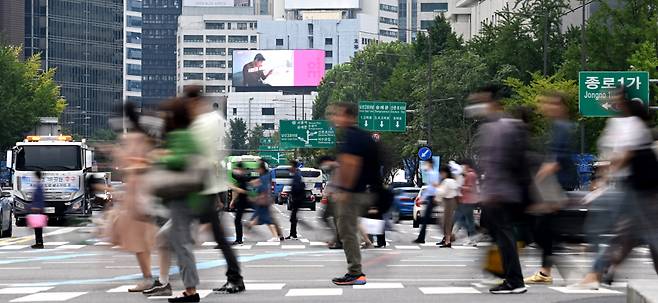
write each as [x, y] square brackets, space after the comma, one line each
[64, 164]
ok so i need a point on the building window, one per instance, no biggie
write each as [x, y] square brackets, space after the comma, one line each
[216, 51]
[328, 54]
[390, 21]
[192, 76]
[328, 66]
[230, 64]
[228, 25]
[388, 33]
[193, 63]
[268, 126]
[134, 70]
[215, 25]
[134, 21]
[426, 24]
[310, 28]
[242, 25]
[134, 86]
[230, 76]
[135, 54]
[135, 5]
[214, 89]
[388, 8]
[193, 51]
[134, 38]
[216, 63]
[215, 76]
[215, 39]
[253, 39]
[328, 41]
[235, 111]
[193, 38]
[310, 42]
[279, 42]
[267, 111]
[238, 39]
[432, 7]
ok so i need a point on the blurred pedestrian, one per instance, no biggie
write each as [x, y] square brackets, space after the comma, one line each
[427, 197]
[181, 146]
[447, 194]
[358, 170]
[633, 164]
[262, 200]
[208, 131]
[328, 165]
[501, 143]
[556, 174]
[132, 232]
[296, 197]
[38, 203]
[467, 202]
[239, 201]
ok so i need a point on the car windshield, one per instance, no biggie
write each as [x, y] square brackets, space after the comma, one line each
[48, 158]
[310, 173]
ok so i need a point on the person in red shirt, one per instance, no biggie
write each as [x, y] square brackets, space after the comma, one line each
[467, 203]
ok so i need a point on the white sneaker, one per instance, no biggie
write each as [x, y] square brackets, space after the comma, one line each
[273, 240]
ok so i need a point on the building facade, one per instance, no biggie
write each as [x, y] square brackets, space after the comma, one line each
[266, 109]
[132, 51]
[12, 25]
[418, 15]
[159, 25]
[82, 39]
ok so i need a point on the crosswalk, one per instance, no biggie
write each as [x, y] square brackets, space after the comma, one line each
[52, 294]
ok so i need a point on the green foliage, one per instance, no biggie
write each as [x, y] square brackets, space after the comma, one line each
[253, 139]
[27, 93]
[237, 137]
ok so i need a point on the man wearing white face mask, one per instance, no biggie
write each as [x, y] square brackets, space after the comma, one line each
[428, 198]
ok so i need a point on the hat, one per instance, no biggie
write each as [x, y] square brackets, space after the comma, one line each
[259, 57]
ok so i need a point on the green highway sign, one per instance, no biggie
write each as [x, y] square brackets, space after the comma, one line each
[595, 89]
[383, 116]
[273, 154]
[306, 134]
[266, 141]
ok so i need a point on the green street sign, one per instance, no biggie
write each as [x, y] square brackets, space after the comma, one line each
[383, 116]
[595, 89]
[272, 154]
[266, 141]
[306, 134]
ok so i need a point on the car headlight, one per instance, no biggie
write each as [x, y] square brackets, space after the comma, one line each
[76, 205]
[19, 205]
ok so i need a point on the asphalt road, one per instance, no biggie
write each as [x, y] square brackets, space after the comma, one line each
[79, 267]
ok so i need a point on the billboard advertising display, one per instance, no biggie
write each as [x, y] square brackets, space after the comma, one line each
[259, 69]
[333, 4]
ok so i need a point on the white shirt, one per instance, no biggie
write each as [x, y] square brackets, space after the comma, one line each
[208, 131]
[448, 189]
[432, 180]
[621, 135]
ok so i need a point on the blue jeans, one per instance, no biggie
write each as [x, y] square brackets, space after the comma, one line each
[464, 217]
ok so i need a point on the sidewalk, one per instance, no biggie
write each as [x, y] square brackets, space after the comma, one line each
[642, 291]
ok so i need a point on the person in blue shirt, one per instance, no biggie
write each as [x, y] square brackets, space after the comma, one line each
[38, 203]
[262, 200]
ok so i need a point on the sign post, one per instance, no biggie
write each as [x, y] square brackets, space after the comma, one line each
[383, 116]
[306, 134]
[595, 89]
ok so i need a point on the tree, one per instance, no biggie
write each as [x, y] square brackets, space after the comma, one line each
[253, 139]
[27, 93]
[236, 136]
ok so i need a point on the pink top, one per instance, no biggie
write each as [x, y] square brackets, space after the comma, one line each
[469, 189]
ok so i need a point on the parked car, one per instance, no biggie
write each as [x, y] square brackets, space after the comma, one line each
[6, 213]
[309, 198]
[313, 179]
[419, 209]
[403, 202]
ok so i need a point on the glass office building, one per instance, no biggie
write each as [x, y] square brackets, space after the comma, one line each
[82, 39]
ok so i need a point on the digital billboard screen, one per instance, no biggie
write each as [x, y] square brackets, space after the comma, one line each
[262, 70]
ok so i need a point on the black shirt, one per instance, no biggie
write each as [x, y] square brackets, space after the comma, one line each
[358, 142]
[242, 182]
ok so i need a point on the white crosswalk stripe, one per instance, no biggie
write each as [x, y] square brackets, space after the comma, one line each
[22, 290]
[313, 292]
[49, 297]
[448, 290]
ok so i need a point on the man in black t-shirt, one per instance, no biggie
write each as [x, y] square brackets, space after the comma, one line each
[239, 202]
[357, 171]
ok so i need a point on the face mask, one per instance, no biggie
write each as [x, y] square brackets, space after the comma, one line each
[476, 110]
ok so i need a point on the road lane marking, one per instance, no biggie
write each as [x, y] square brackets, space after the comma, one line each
[282, 266]
[304, 240]
[268, 243]
[293, 246]
[79, 262]
[19, 268]
[103, 244]
[209, 244]
[374, 285]
[310, 292]
[316, 260]
[55, 243]
[566, 290]
[242, 247]
[122, 267]
[264, 286]
[318, 243]
[464, 247]
[70, 246]
[22, 290]
[122, 288]
[49, 297]
[436, 260]
[13, 247]
[46, 258]
[407, 247]
[426, 265]
[448, 290]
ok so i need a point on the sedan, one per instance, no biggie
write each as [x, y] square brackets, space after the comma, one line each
[6, 213]
[403, 202]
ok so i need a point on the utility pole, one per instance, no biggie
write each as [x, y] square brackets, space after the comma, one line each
[583, 66]
[429, 90]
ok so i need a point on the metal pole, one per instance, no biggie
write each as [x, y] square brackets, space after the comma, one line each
[249, 115]
[295, 108]
[546, 46]
[429, 90]
[583, 54]
[303, 109]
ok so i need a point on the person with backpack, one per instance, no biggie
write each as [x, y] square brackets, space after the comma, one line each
[356, 181]
[297, 196]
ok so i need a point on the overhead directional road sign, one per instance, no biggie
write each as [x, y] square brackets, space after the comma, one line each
[383, 116]
[595, 90]
[306, 134]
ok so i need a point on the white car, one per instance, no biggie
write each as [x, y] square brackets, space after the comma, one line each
[419, 209]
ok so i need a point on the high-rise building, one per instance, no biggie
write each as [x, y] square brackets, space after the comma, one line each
[82, 39]
[159, 25]
[415, 16]
[12, 25]
[132, 51]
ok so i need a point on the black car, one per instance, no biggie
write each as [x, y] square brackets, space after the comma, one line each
[6, 214]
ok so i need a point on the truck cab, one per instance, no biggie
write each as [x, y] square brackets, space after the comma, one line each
[64, 164]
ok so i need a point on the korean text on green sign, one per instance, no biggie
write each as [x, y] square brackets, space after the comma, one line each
[306, 134]
[595, 89]
[383, 116]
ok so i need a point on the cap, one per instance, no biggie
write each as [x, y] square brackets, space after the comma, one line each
[259, 57]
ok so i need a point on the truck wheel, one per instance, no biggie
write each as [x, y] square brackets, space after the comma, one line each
[8, 233]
